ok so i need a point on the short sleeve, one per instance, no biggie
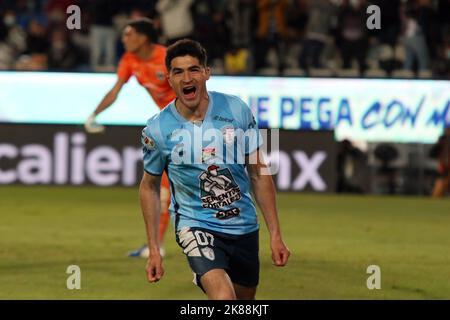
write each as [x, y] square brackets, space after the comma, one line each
[124, 71]
[154, 160]
[253, 139]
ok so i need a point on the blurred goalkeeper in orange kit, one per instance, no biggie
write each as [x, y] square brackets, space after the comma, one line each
[145, 60]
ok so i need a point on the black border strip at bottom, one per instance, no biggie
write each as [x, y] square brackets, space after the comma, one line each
[199, 309]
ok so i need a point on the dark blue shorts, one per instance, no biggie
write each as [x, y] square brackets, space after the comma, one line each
[238, 255]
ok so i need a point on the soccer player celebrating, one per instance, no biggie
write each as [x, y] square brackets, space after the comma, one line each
[214, 215]
[145, 60]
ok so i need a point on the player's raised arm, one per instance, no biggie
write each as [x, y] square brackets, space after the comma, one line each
[264, 191]
[150, 206]
[90, 125]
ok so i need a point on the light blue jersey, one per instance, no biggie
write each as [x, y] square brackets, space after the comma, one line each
[205, 164]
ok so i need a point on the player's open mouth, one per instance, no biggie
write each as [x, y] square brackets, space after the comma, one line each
[189, 92]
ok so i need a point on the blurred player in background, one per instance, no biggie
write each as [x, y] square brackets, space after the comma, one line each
[441, 151]
[145, 60]
[215, 217]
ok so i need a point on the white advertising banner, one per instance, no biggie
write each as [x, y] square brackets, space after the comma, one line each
[393, 110]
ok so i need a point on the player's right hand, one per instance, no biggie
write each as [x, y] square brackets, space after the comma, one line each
[92, 126]
[154, 267]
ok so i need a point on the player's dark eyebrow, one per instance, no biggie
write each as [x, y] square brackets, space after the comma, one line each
[177, 69]
[190, 68]
[194, 68]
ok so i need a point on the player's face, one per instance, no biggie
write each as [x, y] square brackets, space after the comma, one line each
[132, 40]
[188, 79]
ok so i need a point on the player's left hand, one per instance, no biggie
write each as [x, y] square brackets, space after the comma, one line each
[280, 253]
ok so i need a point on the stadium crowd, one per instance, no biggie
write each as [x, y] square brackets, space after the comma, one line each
[265, 37]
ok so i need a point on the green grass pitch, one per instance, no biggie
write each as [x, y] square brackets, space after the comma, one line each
[333, 240]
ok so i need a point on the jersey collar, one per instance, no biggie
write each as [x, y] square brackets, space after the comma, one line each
[180, 118]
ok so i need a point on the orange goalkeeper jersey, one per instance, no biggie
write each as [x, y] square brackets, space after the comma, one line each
[150, 73]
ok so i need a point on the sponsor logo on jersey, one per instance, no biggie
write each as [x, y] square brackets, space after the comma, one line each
[148, 142]
[218, 188]
[227, 214]
[223, 119]
[228, 134]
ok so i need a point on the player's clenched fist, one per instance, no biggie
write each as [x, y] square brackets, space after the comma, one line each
[280, 253]
[154, 268]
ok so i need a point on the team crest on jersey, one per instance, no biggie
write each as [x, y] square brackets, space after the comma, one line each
[228, 134]
[148, 142]
[160, 75]
[208, 253]
[218, 187]
[208, 154]
[252, 124]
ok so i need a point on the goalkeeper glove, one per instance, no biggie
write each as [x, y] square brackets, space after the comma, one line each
[92, 126]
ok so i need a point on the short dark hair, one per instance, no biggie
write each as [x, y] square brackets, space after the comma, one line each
[144, 26]
[186, 47]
